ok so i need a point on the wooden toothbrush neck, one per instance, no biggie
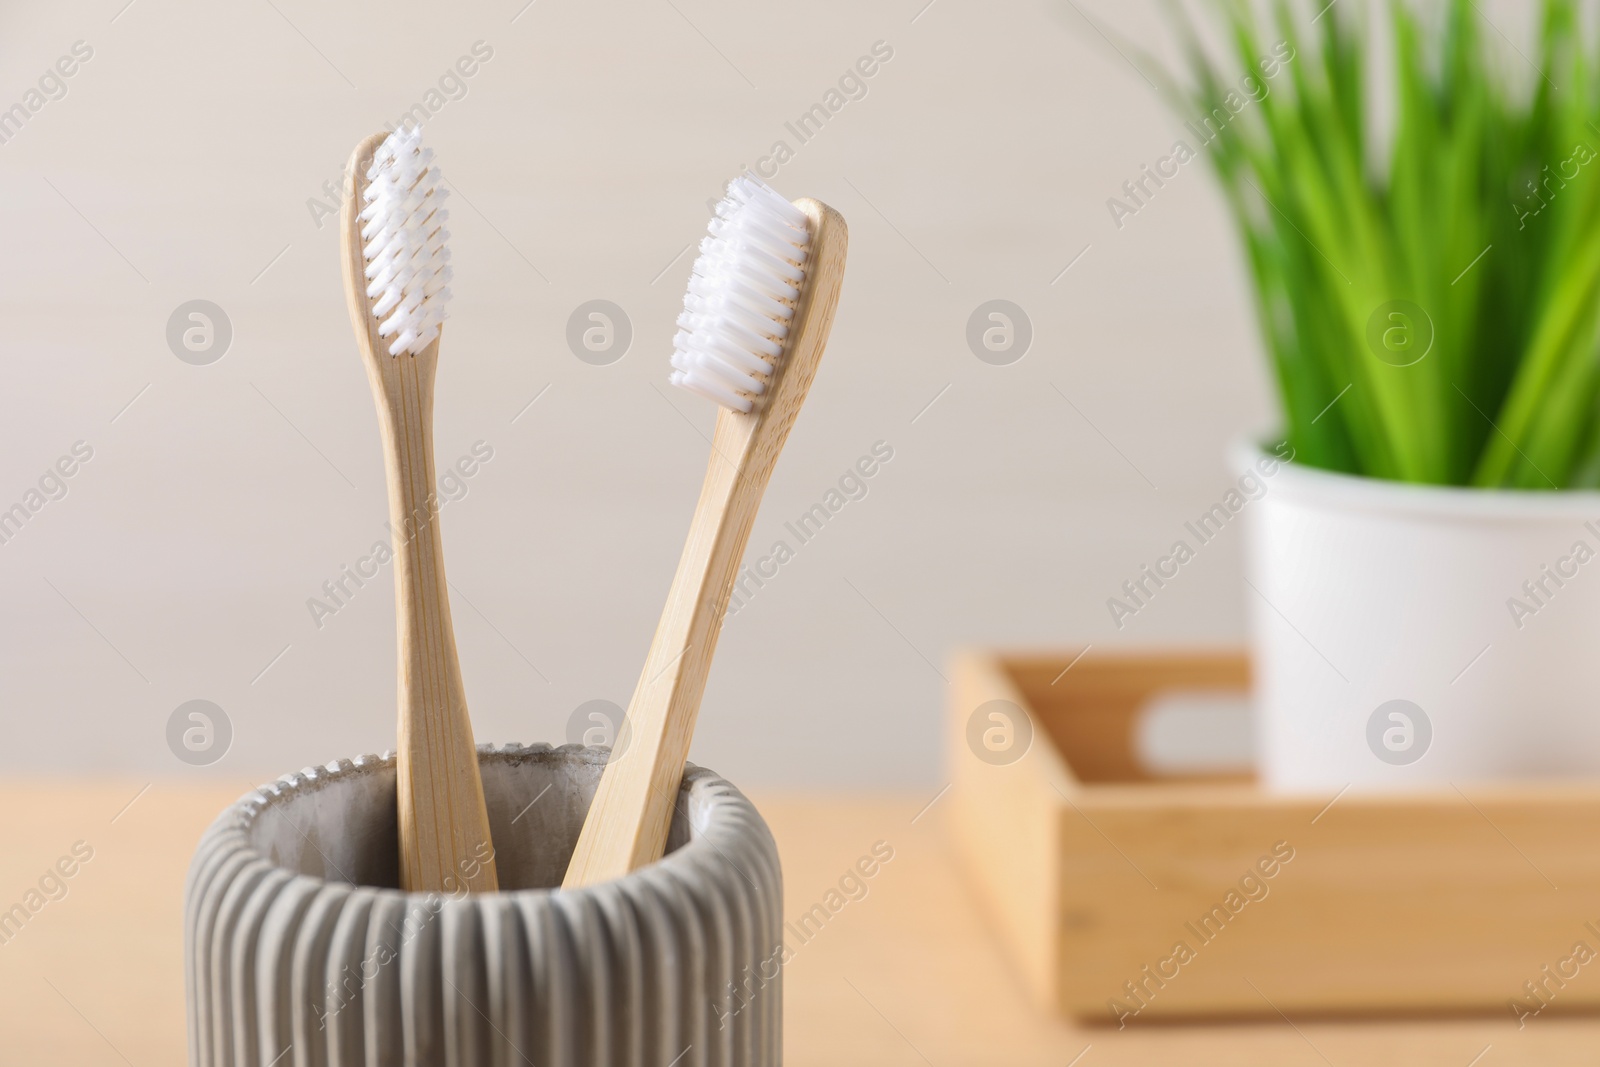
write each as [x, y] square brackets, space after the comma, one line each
[414, 500]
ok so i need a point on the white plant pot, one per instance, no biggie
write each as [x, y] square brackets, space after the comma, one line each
[1480, 609]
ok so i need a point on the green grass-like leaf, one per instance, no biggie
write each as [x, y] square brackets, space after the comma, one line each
[1477, 224]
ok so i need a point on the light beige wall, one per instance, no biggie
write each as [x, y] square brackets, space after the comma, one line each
[977, 166]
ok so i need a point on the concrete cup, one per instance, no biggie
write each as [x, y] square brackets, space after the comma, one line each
[301, 951]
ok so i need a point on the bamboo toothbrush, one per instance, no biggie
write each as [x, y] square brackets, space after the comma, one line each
[755, 321]
[396, 278]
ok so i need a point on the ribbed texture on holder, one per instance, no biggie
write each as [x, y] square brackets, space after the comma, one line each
[293, 961]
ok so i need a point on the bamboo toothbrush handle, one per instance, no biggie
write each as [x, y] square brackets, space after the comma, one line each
[628, 821]
[444, 822]
[632, 810]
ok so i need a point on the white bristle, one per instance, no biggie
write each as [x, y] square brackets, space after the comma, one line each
[742, 296]
[405, 242]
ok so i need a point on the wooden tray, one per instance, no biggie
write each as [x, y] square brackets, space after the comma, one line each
[1095, 872]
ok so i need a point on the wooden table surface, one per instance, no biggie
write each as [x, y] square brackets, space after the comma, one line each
[904, 974]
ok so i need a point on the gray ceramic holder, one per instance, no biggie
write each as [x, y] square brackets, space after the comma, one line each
[300, 952]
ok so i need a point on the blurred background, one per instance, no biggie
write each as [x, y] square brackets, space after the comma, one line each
[1045, 371]
[191, 158]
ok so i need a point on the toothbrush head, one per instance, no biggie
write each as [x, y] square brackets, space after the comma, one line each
[404, 243]
[742, 296]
